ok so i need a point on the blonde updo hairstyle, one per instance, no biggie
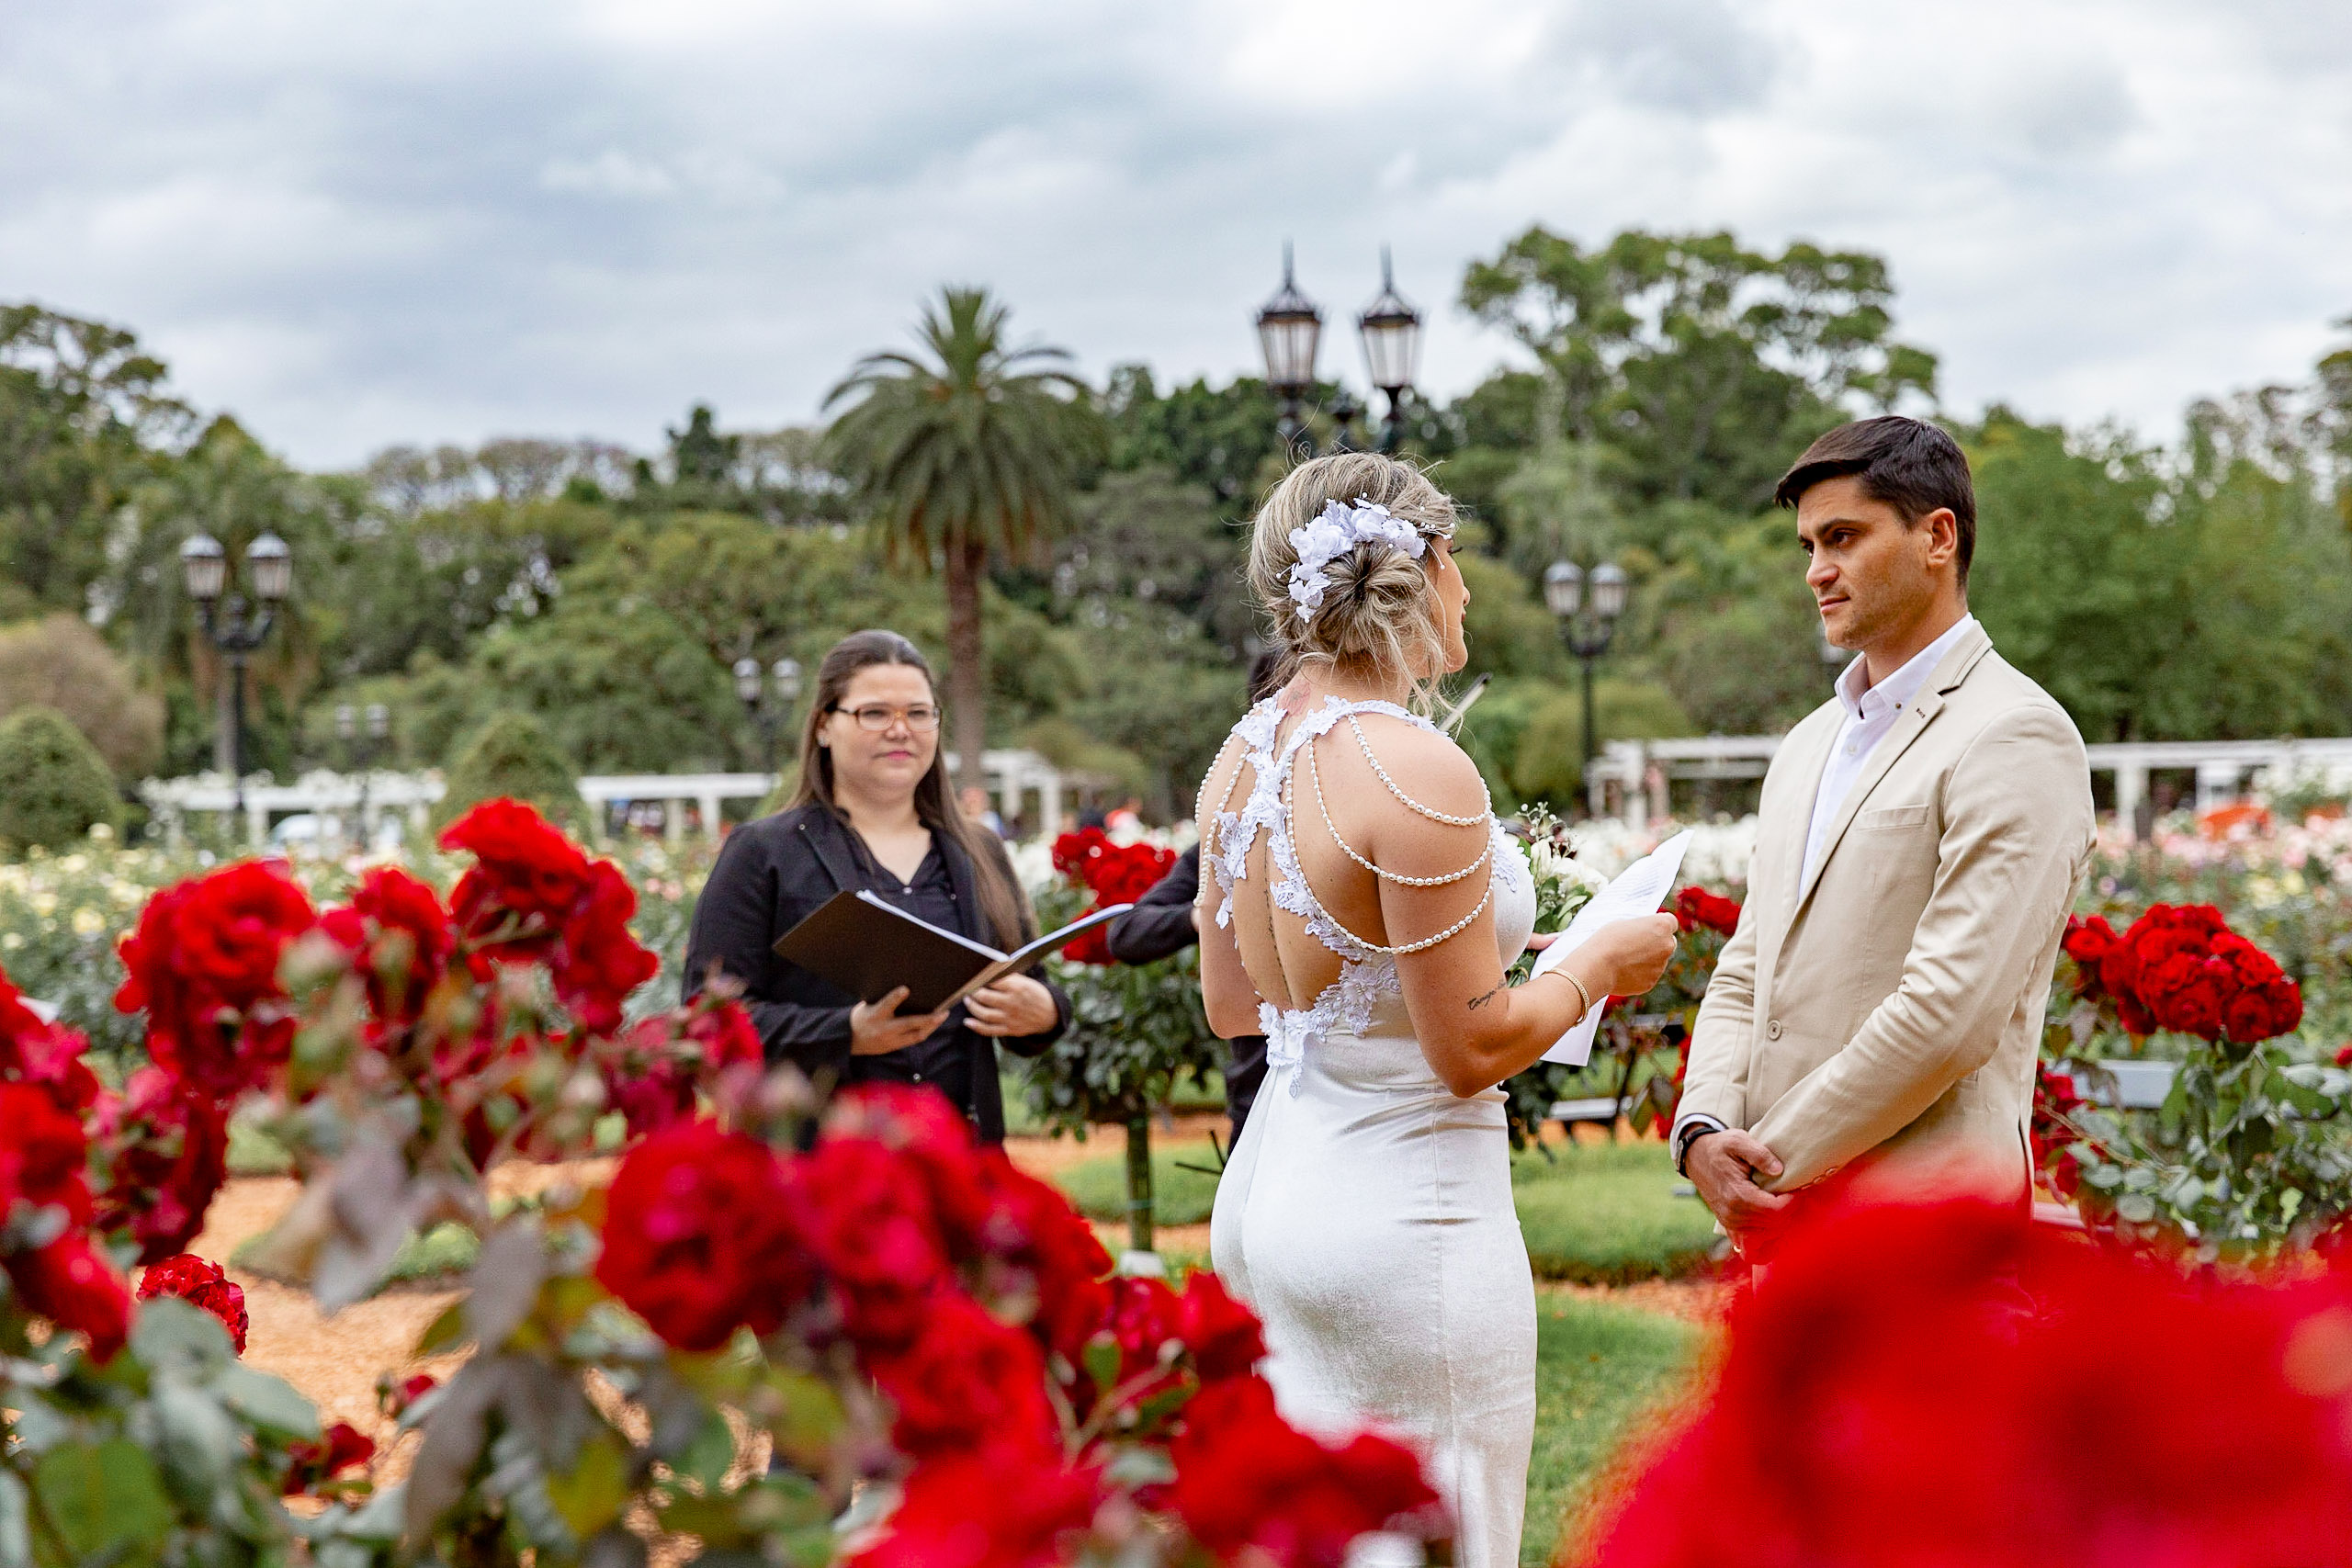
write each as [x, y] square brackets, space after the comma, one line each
[1380, 612]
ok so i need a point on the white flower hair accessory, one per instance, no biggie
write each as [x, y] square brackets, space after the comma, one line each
[1332, 534]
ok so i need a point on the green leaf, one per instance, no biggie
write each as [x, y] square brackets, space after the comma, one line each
[592, 1493]
[445, 1332]
[195, 1441]
[177, 1338]
[104, 1498]
[2137, 1207]
[710, 1454]
[270, 1403]
[15, 1538]
[1101, 1356]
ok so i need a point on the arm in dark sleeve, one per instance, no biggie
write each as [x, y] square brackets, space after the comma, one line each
[1161, 922]
[733, 932]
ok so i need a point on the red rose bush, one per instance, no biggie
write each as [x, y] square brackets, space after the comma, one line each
[770, 1303]
[2244, 1159]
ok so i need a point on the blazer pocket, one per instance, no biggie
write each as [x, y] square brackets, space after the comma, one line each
[1890, 817]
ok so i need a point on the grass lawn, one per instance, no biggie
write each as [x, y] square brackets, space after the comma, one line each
[1599, 1368]
[1607, 1213]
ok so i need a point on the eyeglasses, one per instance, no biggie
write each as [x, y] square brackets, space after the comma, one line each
[875, 717]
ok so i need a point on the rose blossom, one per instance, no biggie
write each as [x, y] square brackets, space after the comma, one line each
[703, 1235]
[203, 964]
[202, 1284]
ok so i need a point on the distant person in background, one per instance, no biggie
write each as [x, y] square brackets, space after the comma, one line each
[1091, 817]
[1164, 924]
[872, 814]
[975, 801]
[1126, 817]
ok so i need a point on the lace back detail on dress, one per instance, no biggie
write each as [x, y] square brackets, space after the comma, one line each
[1367, 974]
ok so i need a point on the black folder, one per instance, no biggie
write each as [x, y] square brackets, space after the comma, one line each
[869, 947]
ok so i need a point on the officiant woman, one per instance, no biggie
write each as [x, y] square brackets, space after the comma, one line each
[872, 811]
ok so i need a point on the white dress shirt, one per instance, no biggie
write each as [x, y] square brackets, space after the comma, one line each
[1871, 713]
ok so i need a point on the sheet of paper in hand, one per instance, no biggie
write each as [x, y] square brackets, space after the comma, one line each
[869, 946]
[1638, 890]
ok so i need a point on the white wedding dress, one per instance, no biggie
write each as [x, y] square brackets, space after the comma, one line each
[1366, 1213]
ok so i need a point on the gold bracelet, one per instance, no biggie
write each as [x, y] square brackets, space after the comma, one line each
[1582, 995]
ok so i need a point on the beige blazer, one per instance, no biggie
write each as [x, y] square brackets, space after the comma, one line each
[1888, 1009]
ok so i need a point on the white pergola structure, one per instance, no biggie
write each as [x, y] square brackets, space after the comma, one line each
[1638, 774]
[362, 800]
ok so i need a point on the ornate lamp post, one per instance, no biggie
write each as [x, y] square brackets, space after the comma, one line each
[234, 627]
[1289, 328]
[1391, 329]
[1588, 621]
[771, 709]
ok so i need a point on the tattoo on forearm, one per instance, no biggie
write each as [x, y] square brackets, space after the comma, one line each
[1477, 1002]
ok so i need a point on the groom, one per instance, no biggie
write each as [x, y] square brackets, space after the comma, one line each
[1921, 840]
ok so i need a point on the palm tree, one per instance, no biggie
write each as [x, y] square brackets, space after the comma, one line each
[977, 447]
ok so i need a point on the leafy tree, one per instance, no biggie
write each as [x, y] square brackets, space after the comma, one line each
[2157, 604]
[80, 404]
[54, 787]
[512, 756]
[59, 663]
[1708, 363]
[976, 448]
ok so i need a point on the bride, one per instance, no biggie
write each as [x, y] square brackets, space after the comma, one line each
[1358, 905]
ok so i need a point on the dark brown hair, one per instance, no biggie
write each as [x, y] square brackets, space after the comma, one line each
[1911, 464]
[1001, 901]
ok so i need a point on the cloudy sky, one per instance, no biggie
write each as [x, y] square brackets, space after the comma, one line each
[377, 221]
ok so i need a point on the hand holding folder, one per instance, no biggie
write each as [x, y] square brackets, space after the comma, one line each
[870, 947]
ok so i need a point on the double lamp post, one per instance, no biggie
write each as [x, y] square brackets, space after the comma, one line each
[1290, 327]
[234, 627]
[770, 706]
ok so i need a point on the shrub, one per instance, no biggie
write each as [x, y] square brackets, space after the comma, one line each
[54, 787]
[59, 662]
[512, 756]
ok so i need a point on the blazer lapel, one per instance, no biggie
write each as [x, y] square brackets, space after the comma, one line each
[822, 831]
[1914, 723]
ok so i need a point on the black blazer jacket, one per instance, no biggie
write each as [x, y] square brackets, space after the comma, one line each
[772, 874]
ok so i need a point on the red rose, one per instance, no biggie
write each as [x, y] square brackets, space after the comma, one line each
[393, 1398]
[203, 964]
[1884, 1402]
[1146, 1324]
[70, 1283]
[2344, 1056]
[399, 936]
[167, 1154]
[652, 1082]
[532, 896]
[311, 1466]
[967, 1380]
[1248, 1482]
[1040, 1250]
[1695, 908]
[999, 1508]
[202, 1284]
[936, 1140]
[2089, 942]
[871, 1222]
[1224, 1337]
[703, 1234]
[48, 1053]
[41, 1150]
